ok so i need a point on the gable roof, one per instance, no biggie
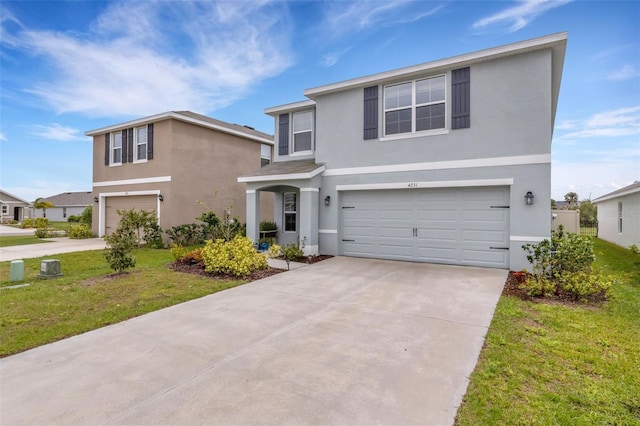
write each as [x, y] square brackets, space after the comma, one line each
[192, 118]
[6, 198]
[630, 189]
[71, 199]
[298, 169]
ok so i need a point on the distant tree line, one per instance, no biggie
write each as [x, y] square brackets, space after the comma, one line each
[588, 210]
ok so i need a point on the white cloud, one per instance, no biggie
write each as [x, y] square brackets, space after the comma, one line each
[518, 17]
[341, 18]
[141, 59]
[627, 72]
[613, 51]
[332, 58]
[57, 132]
[619, 122]
[3, 137]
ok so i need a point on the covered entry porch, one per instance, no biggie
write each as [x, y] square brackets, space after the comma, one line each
[296, 188]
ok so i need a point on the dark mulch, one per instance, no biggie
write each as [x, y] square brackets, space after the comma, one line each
[313, 259]
[198, 269]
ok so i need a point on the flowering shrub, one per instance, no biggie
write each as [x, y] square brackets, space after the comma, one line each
[275, 251]
[177, 251]
[79, 232]
[581, 286]
[235, 257]
[537, 286]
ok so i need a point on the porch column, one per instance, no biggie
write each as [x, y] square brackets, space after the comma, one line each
[308, 211]
[253, 215]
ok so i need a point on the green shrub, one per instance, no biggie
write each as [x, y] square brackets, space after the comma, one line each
[120, 245]
[582, 286]
[563, 253]
[292, 252]
[144, 225]
[188, 234]
[73, 219]
[265, 225]
[275, 251]
[27, 223]
[538, 286]
[87, 215]
[50, 233]
[39, 222]
[79, 232]
[236, 257]
[177, 251]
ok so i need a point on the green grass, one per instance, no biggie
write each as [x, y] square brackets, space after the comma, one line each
[20, 240]
[50, 310]
[556, 364]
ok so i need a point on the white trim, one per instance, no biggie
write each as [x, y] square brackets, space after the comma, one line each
[292, 176]
[309, 189]
[459, 61]
[419, 134]
[102, 205]
[440, 165]
[426, 184]
[526, 238]
[327, 231]
[619, 194]
[138, 181]
[310, 250]
[250, 191]
[177, 116]
[289, 107]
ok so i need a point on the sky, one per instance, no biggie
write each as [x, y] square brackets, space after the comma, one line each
[67, 67]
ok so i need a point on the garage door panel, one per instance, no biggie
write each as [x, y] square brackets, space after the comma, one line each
[448, 225]
[132, 202]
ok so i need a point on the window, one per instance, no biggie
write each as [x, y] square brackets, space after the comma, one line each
[290, 212]
[64, 212]
[116, 148]
[620, 217]
[415, 106]
[141, 144]
[5, 209]
[265, 155]
[302, 131]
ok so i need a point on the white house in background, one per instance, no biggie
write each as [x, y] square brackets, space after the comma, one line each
[12, 208]
[66, 204]
[437, 162]
[619, 216]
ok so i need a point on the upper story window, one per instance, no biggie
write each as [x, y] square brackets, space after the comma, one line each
[295, 133]
[302, 131]
[415, 106]
[141, 144]
[265, 155]
[116, 148]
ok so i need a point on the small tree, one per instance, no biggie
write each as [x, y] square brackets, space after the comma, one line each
[144, 225]
[41, 203]
[120, 247]
[87, 215]
[588, 213]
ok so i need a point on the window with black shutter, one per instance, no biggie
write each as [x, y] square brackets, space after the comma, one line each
[461, 98]
[107, 150]
[371, 112]
[283, 134]
[150, 141]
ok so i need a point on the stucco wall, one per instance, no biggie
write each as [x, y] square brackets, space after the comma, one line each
[608, 220]
[569, 219]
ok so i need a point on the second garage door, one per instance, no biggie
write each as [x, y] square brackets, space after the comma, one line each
[462, 226]
[137, 202]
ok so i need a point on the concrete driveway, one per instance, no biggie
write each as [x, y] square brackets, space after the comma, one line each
[343, 341]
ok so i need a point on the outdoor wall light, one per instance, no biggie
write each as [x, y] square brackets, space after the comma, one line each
[327, 200]
[95, 199]
[528, 198]
[160, 197]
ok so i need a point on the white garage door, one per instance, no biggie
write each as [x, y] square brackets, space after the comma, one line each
[461, 226]
[137, 202]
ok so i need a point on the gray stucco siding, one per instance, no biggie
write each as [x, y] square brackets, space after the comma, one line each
[511, 114]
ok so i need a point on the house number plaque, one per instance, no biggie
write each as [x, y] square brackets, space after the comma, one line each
[413, 185]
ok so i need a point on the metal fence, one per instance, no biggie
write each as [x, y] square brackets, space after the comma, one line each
[589, 229]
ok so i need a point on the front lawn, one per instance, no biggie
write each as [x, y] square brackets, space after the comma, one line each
[86, 297]
[20, 240]
[553, 363]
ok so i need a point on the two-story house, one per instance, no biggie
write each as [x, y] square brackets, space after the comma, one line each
[447, 161]
[170, 162]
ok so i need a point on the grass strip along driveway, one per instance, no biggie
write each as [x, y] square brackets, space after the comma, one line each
[86, 297]
[552, 363]
[20, 240]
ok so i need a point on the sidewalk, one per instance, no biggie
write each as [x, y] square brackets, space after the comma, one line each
[6, 231]
[54, 246]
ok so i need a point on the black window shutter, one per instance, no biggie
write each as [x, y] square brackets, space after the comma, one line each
[371, 112]
[130, 146]
[107, 139]
[283, 134]
[125, 146]
[461, 98]
[150, 141]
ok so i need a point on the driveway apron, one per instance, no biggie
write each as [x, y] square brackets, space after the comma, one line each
[343, 341]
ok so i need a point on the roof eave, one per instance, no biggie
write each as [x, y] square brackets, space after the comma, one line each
[615, 194]
[273, 111]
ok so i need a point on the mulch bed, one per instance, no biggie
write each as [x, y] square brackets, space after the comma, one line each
[517, 278]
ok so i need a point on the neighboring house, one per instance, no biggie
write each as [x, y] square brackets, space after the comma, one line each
[66, 204]
[12, 208]
[169, 162]
[428, 163]
[619, 215]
